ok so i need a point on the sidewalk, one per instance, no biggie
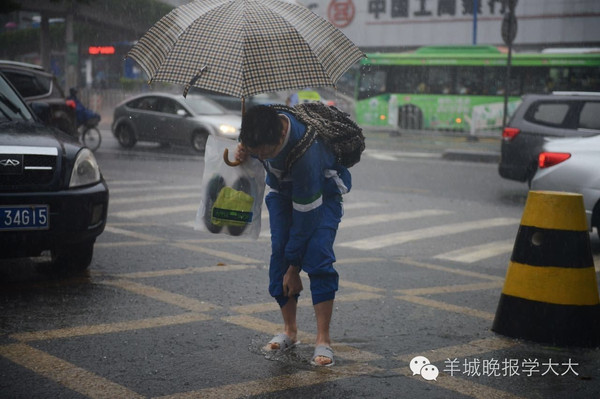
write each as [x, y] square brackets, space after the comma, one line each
[451, 146]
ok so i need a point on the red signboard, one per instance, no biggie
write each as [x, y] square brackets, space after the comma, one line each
[104, 50]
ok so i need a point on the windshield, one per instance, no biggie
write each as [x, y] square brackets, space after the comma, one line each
[203, 106]
[11, 106]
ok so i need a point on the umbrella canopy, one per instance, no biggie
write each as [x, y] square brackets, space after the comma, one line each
[244, 47]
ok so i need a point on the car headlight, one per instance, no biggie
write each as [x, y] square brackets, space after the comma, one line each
[228, 130]
[85, 169]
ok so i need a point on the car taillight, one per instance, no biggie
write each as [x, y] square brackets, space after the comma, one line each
[71, 104]
[547, 159]
[510, 133]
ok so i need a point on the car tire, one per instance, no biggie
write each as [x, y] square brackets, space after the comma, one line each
[199, 141]
[410, 117]
[125, 136]
[74, 257]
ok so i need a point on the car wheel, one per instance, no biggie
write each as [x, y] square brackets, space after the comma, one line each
[125, 136]
[75, 257]
[410, 117]
[199, 141]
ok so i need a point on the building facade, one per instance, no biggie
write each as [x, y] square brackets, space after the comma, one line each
[394, 25]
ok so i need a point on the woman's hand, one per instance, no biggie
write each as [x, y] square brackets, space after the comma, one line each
[292, 284]
[241, 154]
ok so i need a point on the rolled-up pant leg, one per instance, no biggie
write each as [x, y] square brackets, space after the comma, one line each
[280, 221]
[319, 258]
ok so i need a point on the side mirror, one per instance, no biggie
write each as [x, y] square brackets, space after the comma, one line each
[42, 111]
[181, 112]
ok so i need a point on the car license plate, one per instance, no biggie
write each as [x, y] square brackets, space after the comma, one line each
[24, 217]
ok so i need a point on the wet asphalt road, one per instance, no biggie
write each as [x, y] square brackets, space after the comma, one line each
[168, 312]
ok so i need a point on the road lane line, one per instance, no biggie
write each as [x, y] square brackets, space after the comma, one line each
[133, 234]
[181, 272]
[277, 384]
[182, 301]
[164, 210]
[387, 240]
[390, 217]
[452, 288]
[149, 198]
[447, 307]
[411, 262]
[478, 252]
[269, 328]
[121, 244]
[108, 328]
[65, 373]
[150, 189]
[216, 253]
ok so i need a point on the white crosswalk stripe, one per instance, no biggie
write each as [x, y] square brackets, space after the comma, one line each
[478, 252]
[387, 240]
[180, 204]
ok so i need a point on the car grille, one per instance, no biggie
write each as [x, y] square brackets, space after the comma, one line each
[27, 170]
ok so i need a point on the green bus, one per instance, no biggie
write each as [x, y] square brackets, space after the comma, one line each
[461, 88]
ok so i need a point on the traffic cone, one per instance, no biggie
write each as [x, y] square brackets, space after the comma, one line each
[550, 294]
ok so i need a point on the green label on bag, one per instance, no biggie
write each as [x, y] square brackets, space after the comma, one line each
[232, 208]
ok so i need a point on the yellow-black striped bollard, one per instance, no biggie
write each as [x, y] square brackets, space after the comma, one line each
[550, 294]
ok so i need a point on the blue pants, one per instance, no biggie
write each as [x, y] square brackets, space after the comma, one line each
[318, 256]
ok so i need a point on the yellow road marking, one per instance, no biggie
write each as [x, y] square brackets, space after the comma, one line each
[182, 301]
[181, 272]
[349, 261]
[451, 288]
[360, 287]
[469, 349]
[65, 373]
[147, 198]
[461, 385]
[478, 252]
[278, 384]
[140, 236]
[216, 253]
[389, 217]
[411, 262]
[109, 327]
[164, 210]
[273, 306]
[448, 307]
[123, 244]
[267, 327]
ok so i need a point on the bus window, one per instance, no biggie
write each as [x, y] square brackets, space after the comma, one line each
[372, 82]
[535, 80]
[493, 81]
[440, 80]
[469, 80]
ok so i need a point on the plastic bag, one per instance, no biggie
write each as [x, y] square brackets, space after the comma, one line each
[231, 200]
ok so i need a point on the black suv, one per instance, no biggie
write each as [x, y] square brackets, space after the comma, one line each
[37, 85]
[53, 197]
[540, 116]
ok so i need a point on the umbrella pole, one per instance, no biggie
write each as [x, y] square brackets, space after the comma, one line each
[243, 106]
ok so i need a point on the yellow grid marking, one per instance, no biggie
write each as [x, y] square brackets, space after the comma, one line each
[187, 270]
[108, 328]
[133, 234]
[462, 386]
[469, 349]
[65, 373]
[182, 301]
[448, 307]
[451, 288]
[277, 384]
[216, 253]
[411, 262]
[267, 327]
[123, 244]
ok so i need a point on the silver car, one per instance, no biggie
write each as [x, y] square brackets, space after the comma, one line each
[572, 165]
[171, 119]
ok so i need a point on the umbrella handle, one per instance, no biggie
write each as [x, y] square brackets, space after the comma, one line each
[226, 159]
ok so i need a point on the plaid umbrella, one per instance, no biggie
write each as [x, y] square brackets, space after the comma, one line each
[244, 47]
